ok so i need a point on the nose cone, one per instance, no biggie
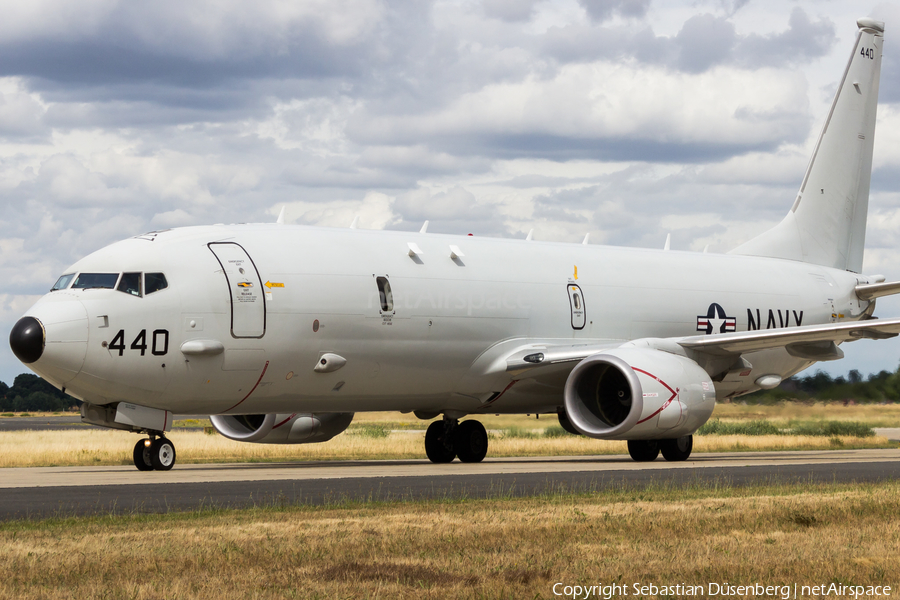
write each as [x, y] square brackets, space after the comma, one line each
[52, 338]
[27, 340]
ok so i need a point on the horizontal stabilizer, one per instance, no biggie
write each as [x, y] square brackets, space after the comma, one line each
[870, 291]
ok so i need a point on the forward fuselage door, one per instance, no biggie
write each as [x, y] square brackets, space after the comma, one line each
[248, 305]
[576, 303]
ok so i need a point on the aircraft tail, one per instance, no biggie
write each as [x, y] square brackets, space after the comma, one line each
[827, 223]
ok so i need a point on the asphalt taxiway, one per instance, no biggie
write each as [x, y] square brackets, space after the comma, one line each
[63, 491]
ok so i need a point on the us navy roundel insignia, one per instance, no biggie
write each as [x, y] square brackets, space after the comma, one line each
[715, 321]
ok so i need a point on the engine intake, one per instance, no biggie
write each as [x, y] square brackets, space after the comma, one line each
[631, 393]
[297, 428]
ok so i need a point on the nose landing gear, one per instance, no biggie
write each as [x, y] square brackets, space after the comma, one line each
[154, 454]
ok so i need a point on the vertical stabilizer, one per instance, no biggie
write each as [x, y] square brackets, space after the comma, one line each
[827, 224]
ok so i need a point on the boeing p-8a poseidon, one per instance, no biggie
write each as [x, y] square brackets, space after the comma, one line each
[283, 332]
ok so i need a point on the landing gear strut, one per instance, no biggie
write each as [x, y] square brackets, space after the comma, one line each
[154, 454]
[449, 439]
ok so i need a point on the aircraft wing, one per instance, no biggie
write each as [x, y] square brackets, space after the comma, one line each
[748, 341]
[809, 341]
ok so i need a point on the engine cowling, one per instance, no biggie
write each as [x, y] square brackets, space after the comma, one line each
[631, 393]
[297, 428]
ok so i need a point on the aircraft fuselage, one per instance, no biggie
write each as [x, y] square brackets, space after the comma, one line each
[453, 305]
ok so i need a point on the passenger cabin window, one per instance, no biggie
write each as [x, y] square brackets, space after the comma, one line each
[93, 281]
[153, 282]
[384, 294]
[130, 284]
[63, 282]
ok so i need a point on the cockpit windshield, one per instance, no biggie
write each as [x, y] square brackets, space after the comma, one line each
[134, 283]
[90, 281]
[63, 282]
[155, 282]
[130, 284]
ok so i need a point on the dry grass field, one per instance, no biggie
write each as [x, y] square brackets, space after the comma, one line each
[876, 415]
[495, 548]
[388, 435]
[101, 447]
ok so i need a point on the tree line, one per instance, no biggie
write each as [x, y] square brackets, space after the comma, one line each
[30, 393]
[883, 386]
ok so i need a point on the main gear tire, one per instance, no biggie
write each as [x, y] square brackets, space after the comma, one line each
[438, 445]
[470, 441]
[678, 449]
[643, 450]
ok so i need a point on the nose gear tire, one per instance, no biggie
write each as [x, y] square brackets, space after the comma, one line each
[162, 454]
[142, 456]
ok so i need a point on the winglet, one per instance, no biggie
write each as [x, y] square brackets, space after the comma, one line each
[587, 236]
[280, 220]
[668, 241]
[530, 233]
[424, 227]
[355, 222]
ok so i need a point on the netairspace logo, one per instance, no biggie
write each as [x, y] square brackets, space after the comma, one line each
[723, 590]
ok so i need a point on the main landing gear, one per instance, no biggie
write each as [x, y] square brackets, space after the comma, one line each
[448, 439]
[154, 454]
[672, 450]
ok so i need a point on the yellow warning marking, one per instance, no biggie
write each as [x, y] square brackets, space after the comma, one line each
[576, 271]
[270, 285]
[245, 284]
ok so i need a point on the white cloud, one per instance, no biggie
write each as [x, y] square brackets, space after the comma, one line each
[608, 102]
[489, 117]
[21, 113]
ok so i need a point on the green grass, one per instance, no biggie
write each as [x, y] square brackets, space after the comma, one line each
[555, 431]
[830, 428]
[370, 430]
[793, 427]
[756, 427]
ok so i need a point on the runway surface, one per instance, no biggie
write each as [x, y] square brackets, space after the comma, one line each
[64, 491]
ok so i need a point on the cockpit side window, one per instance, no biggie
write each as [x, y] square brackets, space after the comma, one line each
[63, 282]
[153, 282]
[90, 281]
[130, 284]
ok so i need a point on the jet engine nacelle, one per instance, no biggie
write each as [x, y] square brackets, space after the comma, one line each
[631, 394]
[298, 428]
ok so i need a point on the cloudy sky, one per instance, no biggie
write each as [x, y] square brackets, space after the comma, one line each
[628, 119]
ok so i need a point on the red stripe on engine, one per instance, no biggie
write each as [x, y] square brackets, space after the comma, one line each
[285, 421]
[666, 385]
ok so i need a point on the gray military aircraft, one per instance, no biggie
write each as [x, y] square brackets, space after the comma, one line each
[282, 332]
